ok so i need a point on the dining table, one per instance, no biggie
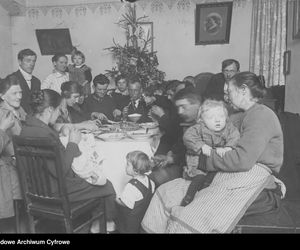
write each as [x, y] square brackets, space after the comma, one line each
[111, 149]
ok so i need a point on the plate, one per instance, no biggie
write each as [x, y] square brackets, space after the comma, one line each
[149, 125]
[111, 136]
[139, 136]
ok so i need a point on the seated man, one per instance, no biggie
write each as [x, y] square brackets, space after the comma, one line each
[137, 103]
[169, 166]
[216, 87]
[172, 87]
[164, 112]
[100, 105]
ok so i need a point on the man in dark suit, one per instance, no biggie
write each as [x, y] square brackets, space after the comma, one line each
[216, 87]
[28, 82]
[137, 103]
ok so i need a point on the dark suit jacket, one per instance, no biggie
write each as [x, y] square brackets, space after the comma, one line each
[215, 87]
[142, 109]
[26, 92]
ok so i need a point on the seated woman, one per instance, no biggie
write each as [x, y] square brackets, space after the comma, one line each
[71, 112]
[244, 179]
[11, 114]
[45, 106]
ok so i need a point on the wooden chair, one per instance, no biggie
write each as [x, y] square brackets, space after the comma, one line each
[39, 167]
[201, 81]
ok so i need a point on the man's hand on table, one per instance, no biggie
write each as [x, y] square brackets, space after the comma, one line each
[158, 111]
[100, 116]
[117, 113]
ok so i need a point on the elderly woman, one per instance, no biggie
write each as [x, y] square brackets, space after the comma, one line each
[71, 112]
[244, 174]
[45, 106]
[11, 95]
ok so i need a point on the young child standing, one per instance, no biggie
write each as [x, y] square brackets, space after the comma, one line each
[213, 131]
[80, 73]
[137, 193]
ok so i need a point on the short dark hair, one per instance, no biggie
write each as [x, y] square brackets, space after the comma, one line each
[228, 62]
[188, 94]
[149, 91]
[7, 82]
[134, 79]
[26, 52]
[42, 99]
[100, 79]
[57, 56]
[119, 77]
[70, 87]
[252, 81]
[172, 85]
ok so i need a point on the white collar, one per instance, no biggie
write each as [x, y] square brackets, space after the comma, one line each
[122, 93]
[59, 74]
[26, 75]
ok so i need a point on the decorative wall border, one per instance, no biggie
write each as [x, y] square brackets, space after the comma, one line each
[106, 7]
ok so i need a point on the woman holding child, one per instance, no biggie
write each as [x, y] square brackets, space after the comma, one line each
[244, 173]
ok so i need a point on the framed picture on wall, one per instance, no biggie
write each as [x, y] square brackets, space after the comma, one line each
[142, 36]
[213, 23]
[145, 34]
[296, 20]
[52, 41]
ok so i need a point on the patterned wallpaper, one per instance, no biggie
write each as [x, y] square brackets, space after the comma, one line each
[155, 6]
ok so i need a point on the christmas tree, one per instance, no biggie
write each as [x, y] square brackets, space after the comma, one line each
[134, 58]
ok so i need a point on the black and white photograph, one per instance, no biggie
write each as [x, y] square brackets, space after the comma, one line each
[148, 117]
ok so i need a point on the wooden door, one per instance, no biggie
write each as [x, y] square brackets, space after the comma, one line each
[292, 88]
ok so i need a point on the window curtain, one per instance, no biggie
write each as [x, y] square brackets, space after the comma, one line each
[268, 40]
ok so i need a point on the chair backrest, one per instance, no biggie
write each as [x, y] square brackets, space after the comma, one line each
[39, 166]
[201, 81]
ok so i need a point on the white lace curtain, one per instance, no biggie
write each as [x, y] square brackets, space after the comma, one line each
[268, 40]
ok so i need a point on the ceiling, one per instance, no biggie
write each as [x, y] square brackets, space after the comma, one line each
[18, 7]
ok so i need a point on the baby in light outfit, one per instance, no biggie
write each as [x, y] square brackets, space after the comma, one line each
[88, 165]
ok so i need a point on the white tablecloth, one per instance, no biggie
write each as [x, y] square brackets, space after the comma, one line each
[113, 154]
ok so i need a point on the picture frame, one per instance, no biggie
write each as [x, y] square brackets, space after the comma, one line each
[52, 41]
[213, 23]
[145, 32]
[296, 20]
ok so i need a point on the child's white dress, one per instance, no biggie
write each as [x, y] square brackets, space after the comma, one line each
[89, 164]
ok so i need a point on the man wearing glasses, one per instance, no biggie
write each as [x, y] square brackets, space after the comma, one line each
[217, 87]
